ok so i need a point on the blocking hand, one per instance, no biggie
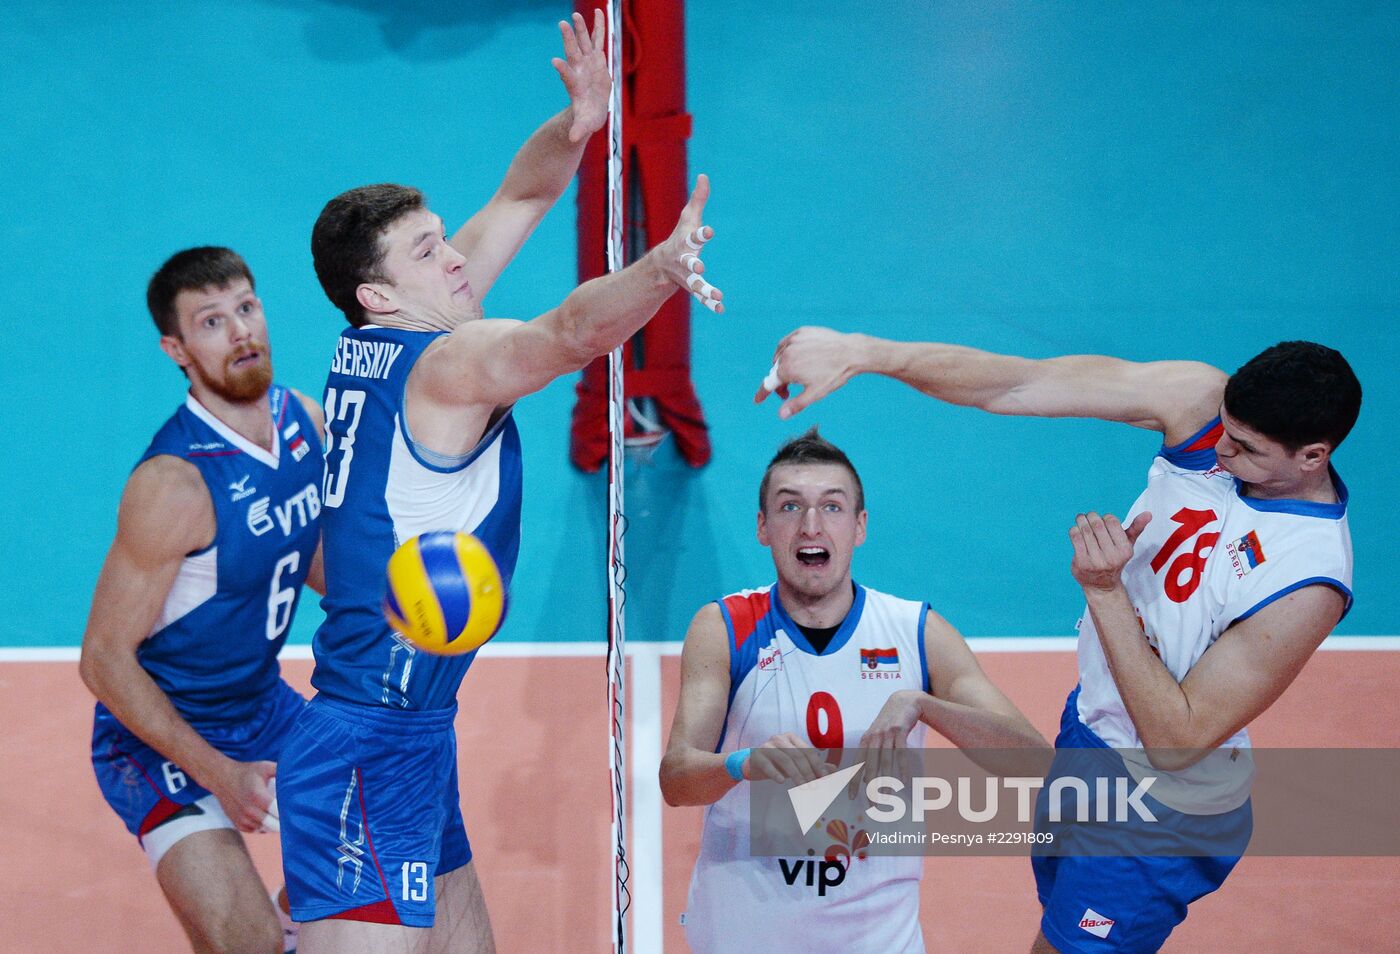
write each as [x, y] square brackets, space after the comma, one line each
[679, 255]
[585, 74]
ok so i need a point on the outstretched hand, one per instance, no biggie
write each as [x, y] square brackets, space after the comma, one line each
[679, 255]
[585, 74]
[819, 359]
[1102, 547]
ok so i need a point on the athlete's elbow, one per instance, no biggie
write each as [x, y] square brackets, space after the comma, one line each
[1167, 760]
[1176, 755]
[671, 790]
[90, 672]
[677, 789]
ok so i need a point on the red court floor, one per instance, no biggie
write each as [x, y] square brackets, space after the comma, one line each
[535, 795]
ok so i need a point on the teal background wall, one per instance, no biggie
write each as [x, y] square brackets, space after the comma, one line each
[1196, 180]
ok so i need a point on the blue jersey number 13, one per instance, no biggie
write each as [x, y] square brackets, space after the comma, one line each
[342, 418]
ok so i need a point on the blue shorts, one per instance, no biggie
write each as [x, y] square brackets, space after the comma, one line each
[1107, 899]
[369, 811]
[146, 789]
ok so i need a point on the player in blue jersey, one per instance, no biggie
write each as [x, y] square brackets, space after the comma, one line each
[1203, 604]
[216, 532]
[421, 437]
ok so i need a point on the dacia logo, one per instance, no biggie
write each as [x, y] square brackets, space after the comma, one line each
[241, 489]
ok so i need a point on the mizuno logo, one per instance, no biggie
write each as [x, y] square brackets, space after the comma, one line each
[241, 489]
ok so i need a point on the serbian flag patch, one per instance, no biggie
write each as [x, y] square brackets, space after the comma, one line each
[886, 660]
[1246, 553]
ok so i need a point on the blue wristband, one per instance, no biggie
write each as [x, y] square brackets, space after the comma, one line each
[734, 764]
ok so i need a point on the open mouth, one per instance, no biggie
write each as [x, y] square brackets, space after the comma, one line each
[813, 556]
[246, 360]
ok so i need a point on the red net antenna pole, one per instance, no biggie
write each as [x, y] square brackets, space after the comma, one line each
[655, 129]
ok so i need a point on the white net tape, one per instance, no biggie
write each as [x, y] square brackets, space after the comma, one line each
[617, 520]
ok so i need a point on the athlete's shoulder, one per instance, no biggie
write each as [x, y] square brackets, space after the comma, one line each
[166, 478]
[166, 502]
[1289, 534]
[743, 610]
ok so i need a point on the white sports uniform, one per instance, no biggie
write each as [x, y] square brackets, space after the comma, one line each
[778, 683]
[1210, 558]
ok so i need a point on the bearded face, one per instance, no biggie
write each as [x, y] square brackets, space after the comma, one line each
[247, 374]
[222, 344]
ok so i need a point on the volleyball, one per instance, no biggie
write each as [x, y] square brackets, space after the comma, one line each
[444, 593]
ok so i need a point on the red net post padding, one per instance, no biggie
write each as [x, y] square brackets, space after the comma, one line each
[655, 129]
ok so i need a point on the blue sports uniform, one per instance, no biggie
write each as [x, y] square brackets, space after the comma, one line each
[213, 650]
[368, 786]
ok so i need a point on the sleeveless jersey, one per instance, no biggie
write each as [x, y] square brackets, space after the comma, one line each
[1210, 558]
[382, 488]
[213, 649]
[778, 683]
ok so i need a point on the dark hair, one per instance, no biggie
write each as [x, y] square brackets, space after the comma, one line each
[208, 266]
[1296, 393]
[345, 244]
[810, 448]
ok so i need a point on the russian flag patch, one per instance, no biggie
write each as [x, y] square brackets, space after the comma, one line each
[879, 660]
[296, 443]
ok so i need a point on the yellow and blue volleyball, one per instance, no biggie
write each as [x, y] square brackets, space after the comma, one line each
[444, 593]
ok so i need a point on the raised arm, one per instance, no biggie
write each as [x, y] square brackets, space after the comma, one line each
[1174, 398]
[491, 363]
[544, 166]
[165, 513]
